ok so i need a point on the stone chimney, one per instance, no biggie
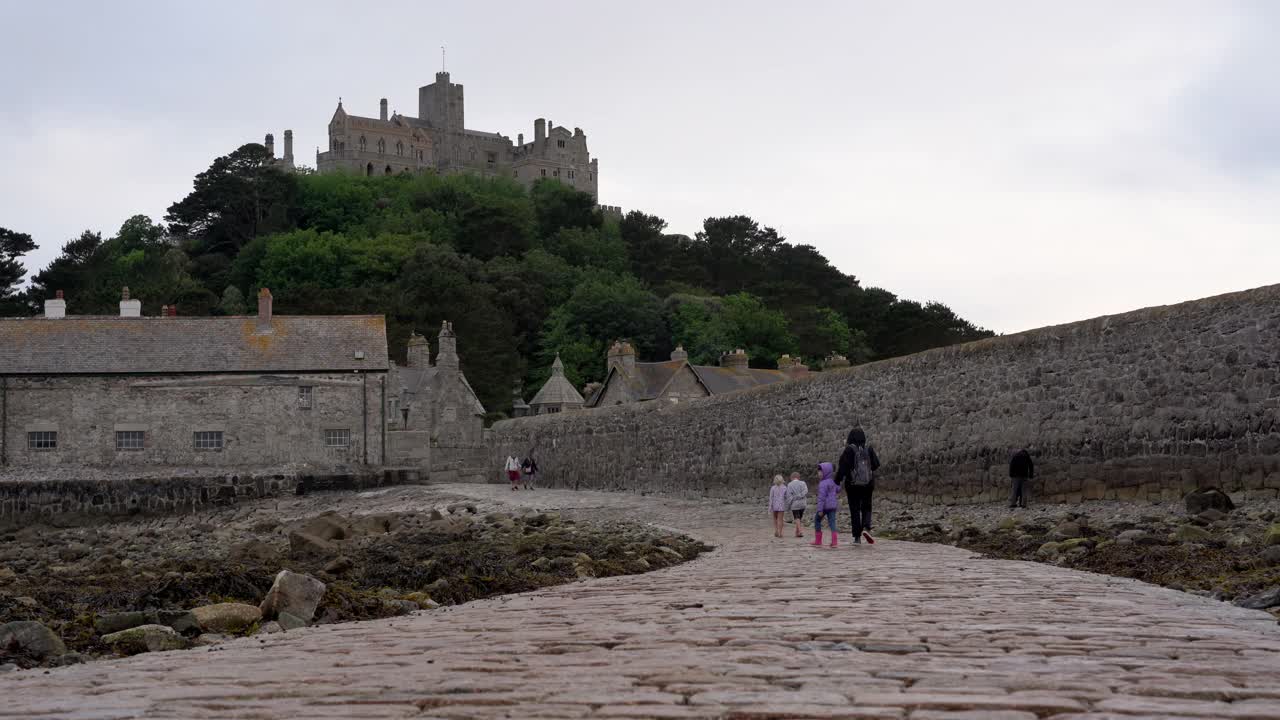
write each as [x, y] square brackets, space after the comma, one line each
[270, 142]
[129, 308]
[382, 109]
[264, 311]
[288, 147]
[419, 352]
[736, 359]
[448, 342]
[835, 361]
[55, 308]
[679, 354]
[622, 356]
[792, 367]
[539, 130]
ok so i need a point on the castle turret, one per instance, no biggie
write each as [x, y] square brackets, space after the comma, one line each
[539, 130]
[288, 148]
[448, 342]
[382, 109]
[270, 143]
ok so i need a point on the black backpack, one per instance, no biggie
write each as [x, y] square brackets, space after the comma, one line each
[860, 473]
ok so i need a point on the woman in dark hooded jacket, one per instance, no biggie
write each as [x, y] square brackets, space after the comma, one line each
[858, 464]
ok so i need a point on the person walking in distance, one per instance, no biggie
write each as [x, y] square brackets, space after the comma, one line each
[513, 471]
[1021, 469]
[797, 498]
[529, 468]
[858, 464]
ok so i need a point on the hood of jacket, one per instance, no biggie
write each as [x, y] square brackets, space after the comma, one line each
[857, 437]
[827, 470]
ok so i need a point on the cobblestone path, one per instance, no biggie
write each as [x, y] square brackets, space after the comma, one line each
[760, 628]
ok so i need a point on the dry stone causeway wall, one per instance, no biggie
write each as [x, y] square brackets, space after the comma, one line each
[1144, 405]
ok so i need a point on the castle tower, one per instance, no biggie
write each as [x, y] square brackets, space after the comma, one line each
[270, 143]
[441, 104]
[288, 148]
[382, 109]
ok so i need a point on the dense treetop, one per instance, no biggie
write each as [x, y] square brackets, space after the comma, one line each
[523, 274]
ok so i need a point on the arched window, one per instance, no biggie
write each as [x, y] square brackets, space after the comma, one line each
[368, 169]
[387, 171]
[362, 143]
[382, 145]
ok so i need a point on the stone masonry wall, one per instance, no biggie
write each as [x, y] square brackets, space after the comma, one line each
[1144, 405]
[263, 418]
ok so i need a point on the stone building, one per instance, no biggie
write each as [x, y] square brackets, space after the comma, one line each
[557, 394]
[676, 380]
[437, 139]
[434, 418]
[228, 392]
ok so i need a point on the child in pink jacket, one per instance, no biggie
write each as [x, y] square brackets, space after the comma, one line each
[828, 503]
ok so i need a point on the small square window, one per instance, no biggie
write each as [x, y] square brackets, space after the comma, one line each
[337, 438]
[304, 396]
[559, 143]
[43, 440]
[208, 440]
[129, 439]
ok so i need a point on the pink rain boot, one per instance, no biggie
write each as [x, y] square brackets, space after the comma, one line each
[817, 538]
[833, 538]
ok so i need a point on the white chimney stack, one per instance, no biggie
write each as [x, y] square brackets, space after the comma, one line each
[129, 308]
[55, 308]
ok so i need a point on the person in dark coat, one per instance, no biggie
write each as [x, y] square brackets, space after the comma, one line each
[1021, 469]
[856, 473]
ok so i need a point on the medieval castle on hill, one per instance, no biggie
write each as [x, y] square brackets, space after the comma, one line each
[438, 140]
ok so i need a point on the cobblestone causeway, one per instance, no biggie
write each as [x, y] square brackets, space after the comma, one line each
[760, 628]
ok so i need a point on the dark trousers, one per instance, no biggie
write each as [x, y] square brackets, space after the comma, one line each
[859, 508]
[1018, 493]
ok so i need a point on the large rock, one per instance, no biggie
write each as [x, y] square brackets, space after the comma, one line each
[327, 526]
[30, 638]
[1192, 534]
[1271, 556]
[1273, 535]
[1263, 600]
[252, 550]
[144, 638]
[226, 617]
[303, 545]
[293, 593]
[109, 623]
[181, 621]
[1198, 501]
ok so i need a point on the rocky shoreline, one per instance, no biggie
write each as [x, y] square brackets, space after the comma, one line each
[75, 594]
[1203, 545]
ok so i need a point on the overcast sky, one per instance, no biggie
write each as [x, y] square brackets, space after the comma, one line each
[1026, 163]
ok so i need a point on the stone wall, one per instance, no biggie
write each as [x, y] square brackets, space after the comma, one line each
[1144, 405]
[264, 419]
[66, 502]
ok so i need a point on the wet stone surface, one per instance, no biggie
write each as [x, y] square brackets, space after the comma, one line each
[760, 628]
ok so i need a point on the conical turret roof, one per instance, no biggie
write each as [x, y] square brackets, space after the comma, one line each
[557, 390]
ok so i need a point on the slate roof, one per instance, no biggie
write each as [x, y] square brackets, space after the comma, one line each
[650, 379]
[557, 390]
[103, 345]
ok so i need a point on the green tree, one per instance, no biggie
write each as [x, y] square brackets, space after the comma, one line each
[13, 245]
[559, 206]
[603, 308]
[232, 301]
[334, 260]
[241, 196]
[708, 327]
